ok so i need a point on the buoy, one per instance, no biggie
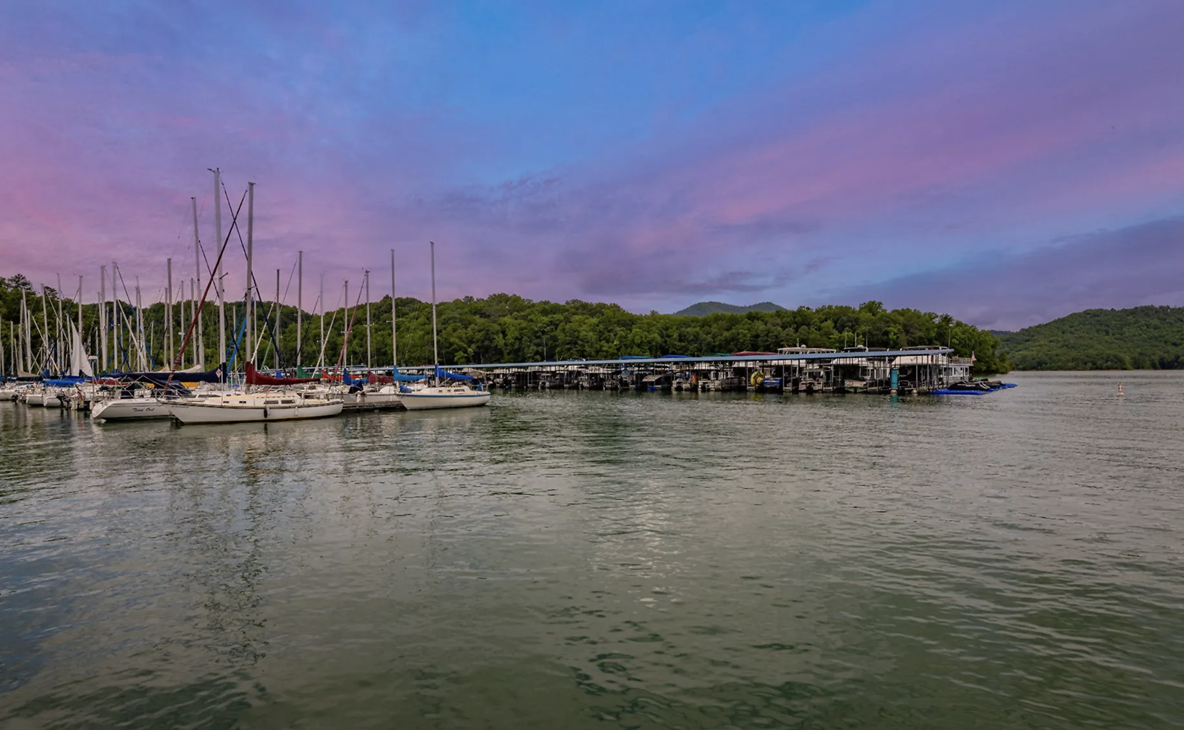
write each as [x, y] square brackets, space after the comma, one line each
[1120, 388]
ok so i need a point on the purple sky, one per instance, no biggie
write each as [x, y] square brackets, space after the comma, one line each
[1005, 162]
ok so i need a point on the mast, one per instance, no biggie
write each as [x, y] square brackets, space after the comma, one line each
[276, 339]
[345, 327]
[193, 312]
[80, 306]
[435, 348]
[218, 285]
[28, 335]
[114, 321]
[142, 354]
[103, 315]
[299, 303]
[200, 350]
[45, 325]
[249, 314]
[367, 320]
[394, 338]
[81, 357]
[168, 313]
[321, 299]
[60, 347]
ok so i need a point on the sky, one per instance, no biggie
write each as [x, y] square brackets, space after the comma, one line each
[1005, 162]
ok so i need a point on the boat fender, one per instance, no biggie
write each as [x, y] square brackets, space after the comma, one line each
[264, 412]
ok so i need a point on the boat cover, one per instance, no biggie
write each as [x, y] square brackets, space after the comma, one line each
[254, 377]
[442, 373]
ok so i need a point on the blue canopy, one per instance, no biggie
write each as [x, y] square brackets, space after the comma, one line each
[62, 382]
[399, 377]
[442, 373]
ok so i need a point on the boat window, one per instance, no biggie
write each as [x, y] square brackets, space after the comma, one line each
[271, 402]
[289, 400]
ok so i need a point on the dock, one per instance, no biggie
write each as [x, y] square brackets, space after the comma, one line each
[789, 370]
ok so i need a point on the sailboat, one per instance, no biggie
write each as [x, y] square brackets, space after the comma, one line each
[228, 407]
[452, 394]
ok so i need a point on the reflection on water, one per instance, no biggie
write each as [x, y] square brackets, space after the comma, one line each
[605, 560]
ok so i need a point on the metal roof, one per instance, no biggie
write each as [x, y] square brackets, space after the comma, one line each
[732, 359]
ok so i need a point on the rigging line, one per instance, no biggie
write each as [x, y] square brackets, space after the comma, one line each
[321, 356]
[180, 230]
[268, 322]
[253, 284]
[325, 342]
[349, 327]
[193, 320]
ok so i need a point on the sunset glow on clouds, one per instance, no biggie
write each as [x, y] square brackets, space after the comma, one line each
[1005, 162]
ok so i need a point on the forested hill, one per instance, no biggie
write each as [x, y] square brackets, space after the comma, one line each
[702, 309]
[508, 328]
[1102, 339]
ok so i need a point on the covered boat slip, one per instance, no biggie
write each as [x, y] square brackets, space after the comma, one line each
[922, 369]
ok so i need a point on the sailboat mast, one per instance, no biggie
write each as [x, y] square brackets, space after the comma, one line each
[345, 327]
[192, 311]
[249, 314]
[26, 334]
[368, 320]
[200, 350]
[321, 299]
[435, 348]
[219, 286]
[394, 331]
[103, 315]
[80, 306]
[141, 350]
[59, 347]
[299, 303]
[45, 325]
[276, 339]
[168, 312]
[115, 323]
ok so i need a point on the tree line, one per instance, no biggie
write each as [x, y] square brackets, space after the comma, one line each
[502, 328]
[1140, 338]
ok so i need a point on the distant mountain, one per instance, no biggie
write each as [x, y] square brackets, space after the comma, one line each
[1101, 339]
[703, 309]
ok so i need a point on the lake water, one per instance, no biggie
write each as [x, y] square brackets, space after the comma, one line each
[598, 560]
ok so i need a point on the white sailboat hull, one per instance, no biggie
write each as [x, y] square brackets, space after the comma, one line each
[130, 409]
[373, 399]
[431, 398]
[191, 413]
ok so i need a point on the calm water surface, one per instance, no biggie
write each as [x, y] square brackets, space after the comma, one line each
[592, 560]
